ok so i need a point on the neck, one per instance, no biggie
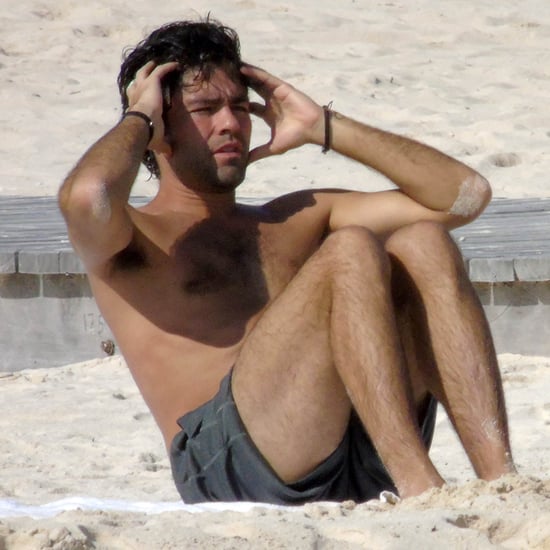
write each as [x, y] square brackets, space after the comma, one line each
[174, 195]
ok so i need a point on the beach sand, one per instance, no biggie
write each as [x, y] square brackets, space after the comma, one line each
[84, 431]
[470, 78]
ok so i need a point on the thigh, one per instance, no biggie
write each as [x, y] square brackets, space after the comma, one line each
[288, 393]
[214, 459]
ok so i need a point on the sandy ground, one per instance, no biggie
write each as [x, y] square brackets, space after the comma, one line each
[469, 77]
[84, 431]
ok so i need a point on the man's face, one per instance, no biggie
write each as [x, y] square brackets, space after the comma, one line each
[209, 128]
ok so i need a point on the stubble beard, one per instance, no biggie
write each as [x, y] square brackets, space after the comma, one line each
[229, 177]
[210, 177]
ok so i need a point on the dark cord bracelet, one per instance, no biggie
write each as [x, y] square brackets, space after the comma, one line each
[327, 109]
[144, 117]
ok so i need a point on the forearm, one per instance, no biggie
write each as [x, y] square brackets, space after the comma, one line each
[428, 176]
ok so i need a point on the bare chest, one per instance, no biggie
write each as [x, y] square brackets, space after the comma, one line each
[211, 282]
[217, 263]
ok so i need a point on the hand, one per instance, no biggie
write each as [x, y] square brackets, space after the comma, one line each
[294, 118]
[145, 94]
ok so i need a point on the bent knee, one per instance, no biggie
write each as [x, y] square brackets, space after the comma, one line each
[353, 239]
[422, 239]
[427, 248]
[354, 236]
[355, 245]
[421, 231]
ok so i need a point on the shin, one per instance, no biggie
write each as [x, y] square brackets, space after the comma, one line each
[454, 350]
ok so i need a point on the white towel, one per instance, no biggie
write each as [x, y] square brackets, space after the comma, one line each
[12, 508]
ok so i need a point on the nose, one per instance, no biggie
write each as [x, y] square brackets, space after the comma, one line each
[228, 120]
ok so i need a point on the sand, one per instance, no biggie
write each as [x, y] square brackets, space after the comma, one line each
[81, 436]
[470, 78]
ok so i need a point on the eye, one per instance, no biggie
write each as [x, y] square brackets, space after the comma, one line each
[207, 109]
[242, 107]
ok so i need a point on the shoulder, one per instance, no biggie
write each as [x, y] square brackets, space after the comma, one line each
[145, 234]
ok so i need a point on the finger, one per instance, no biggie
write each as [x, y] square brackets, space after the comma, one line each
[259, 80]
[131, 90]
[151, 68]
[165, 68]
[130, 85]
[140, 75]
[146, 70]
[257, 109]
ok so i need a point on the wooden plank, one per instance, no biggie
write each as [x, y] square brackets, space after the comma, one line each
[509, 229]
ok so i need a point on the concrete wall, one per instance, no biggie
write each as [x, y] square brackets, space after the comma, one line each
[52, 320]
[519, 315]
[48, 320]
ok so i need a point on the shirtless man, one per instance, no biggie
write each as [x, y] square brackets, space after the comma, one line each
[268, 341]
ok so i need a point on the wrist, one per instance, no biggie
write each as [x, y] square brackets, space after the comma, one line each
[321, 131]
[316, 134]
[145, 118]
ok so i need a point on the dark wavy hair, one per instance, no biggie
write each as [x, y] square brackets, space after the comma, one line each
[199, 45]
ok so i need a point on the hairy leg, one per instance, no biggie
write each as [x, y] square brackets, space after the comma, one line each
[453, 348]
[328, 342]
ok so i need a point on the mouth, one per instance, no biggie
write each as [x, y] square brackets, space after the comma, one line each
[230, 149]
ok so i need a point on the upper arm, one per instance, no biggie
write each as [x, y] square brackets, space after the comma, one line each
[386, 211]
[98, 224]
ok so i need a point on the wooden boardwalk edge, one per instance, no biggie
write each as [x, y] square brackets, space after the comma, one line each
[509, 242]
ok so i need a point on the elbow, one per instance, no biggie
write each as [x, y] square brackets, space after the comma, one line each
[474, 194]
[89, 200]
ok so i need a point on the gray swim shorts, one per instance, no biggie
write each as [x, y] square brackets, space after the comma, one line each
[214, 459]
